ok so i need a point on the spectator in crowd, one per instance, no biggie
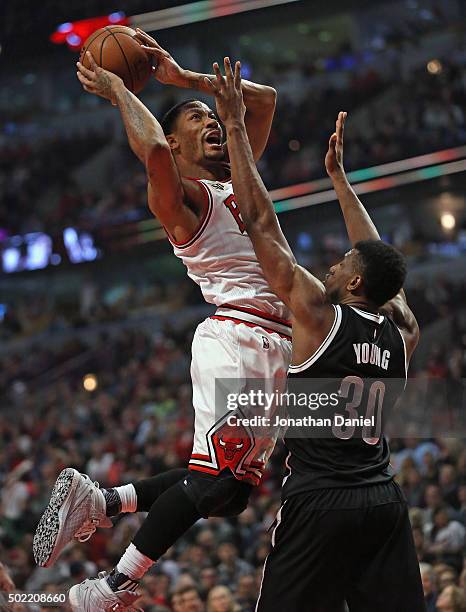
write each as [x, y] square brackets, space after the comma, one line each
[220, 599]
[451, 599]
[187, 599]
[429, 586]
[447, 538]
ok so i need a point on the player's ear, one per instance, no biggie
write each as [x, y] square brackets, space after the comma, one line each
[173, 142]
[354, 283]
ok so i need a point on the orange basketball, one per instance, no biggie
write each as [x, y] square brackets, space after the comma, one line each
[115, 49]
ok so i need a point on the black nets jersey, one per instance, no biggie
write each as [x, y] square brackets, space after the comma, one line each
[362, 364]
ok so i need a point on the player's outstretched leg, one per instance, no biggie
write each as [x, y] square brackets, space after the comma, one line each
[75, 510]
[172, 514]
[78, 506]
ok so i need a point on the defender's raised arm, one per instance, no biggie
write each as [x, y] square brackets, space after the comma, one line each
[358, 222]
[298, 289]
[360, 227]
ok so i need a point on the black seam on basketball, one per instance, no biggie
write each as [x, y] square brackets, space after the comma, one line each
[96, 35]
[150, 58]
[102, 48]
[113, 31]
[126, 60]
[122, 33]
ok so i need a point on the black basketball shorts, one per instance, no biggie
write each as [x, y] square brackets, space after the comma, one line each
[351, 545]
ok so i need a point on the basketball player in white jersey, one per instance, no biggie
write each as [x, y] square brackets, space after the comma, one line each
[190, 192]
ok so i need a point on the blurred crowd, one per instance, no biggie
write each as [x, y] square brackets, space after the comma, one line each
[136, 420]
[30, 169]
[94, 303]
[424, 113]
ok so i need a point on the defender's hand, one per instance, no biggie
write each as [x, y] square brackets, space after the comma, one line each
[97, 80]
[334, 156]
[228, 93]
[166, 69]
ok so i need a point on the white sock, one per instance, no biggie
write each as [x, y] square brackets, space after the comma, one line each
[133, 563]
[128, 497]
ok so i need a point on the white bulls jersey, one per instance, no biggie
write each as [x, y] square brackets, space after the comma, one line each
[246, 341]
[220, 257]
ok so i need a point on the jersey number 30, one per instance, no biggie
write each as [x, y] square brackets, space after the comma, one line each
[232, 206]
[373, 409]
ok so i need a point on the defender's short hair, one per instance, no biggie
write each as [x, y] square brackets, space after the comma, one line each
[168, 121]
[383, 270]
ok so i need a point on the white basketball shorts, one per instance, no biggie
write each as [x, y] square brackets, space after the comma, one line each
[236, 350]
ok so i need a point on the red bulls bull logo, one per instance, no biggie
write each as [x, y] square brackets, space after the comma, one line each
[231, 443]
[230, 447]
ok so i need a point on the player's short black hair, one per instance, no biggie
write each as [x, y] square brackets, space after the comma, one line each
[169, 119]
[383, 270]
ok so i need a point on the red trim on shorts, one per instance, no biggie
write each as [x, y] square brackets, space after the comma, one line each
[257, 313]
[249, 476]
[249, 324]
[202, 457]
[202, 224]
[206, 470]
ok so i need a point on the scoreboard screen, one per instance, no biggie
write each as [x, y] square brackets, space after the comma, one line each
[37, 250]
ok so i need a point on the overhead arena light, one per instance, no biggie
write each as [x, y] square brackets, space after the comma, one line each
[198, 11]
[367, 180]
[73, 33]
[373, 172]
[380, 184]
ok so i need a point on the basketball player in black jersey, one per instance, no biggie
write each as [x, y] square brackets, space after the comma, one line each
[342, 533]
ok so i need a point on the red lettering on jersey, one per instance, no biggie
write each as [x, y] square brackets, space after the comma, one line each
[232, 206]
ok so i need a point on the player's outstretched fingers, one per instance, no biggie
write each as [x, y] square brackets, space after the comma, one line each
[340, 126]
[150, 45]
[218, 74]
[85, 71]
[142, 36]
[228, 70]
[83, 80]
[212, 85]
[227, 67]
[238, 75]
[154, 51]
[92, 61]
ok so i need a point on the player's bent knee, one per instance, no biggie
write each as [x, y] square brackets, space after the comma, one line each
[220, 496]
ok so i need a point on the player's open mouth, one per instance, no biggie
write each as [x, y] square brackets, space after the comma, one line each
[214, 138]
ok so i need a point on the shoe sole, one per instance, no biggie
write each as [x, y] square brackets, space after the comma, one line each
[50, 524]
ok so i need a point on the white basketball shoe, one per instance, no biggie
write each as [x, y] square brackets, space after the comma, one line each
[96, 595]
[76, 508]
